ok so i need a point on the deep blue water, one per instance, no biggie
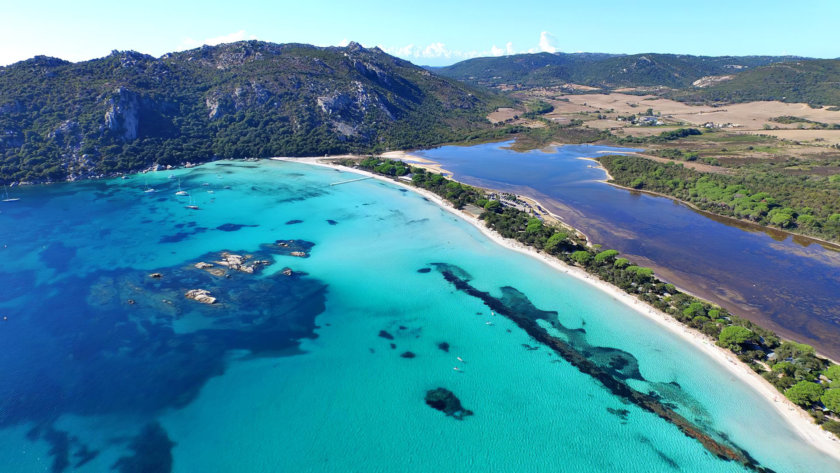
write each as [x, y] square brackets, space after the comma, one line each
[790, 285]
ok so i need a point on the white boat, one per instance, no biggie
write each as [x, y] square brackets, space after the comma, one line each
[6, 197]
[181, 191]
[191, 206]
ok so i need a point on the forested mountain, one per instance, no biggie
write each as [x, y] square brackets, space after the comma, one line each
[601, 70]
[62, 120]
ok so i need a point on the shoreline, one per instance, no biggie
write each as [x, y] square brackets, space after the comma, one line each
[798, 419]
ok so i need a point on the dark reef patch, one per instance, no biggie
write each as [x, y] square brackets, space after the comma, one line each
[424, 270]
[386, 335]
[232, 227]
[99, 356]
[181, 236]
[598, 362]
[332, 222]
[152, 452]
[294, 222]
[57, 256]
[443, 346]
[408, 354]
[445, 401]
[620, 413]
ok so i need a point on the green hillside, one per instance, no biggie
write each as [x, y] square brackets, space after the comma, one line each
[600, 70]
[813, 81]
[127, 111]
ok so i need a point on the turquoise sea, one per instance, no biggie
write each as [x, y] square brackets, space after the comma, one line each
[105, 368]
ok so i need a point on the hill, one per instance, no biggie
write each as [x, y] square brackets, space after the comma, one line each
[600, 70]
[814, 81]
[128, 111]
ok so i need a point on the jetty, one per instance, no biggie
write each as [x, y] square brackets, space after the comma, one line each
[349, 181]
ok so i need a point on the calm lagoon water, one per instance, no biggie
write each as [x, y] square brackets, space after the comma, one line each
[105, 368]
[787, 284]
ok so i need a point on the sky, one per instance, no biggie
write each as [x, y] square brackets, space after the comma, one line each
[429, 32]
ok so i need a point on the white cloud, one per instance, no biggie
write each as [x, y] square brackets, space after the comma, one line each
[227, 38]
[506, 51]
[438, 52]
[548, 42]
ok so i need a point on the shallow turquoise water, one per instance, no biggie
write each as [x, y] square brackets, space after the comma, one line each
[290, 373]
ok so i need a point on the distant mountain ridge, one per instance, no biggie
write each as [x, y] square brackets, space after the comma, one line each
[127, 111]
[602, 70]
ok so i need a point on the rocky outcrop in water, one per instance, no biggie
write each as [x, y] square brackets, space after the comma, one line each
[445, 401]
[241, 263]
[200, 295]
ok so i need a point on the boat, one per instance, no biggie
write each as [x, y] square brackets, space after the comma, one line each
[149, 189]
[460, 359]
[191, 206]
[181, 191]
[6, 197]
[488, 323]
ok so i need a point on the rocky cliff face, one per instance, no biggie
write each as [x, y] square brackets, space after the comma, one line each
[128, 110]
[122, 114]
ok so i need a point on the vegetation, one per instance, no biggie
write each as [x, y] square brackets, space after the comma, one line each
[805, 204]
[797, 81]
[599, 70]
[793, 368]
[130, 111]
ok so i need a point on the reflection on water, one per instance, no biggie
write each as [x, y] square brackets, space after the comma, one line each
[788, 283]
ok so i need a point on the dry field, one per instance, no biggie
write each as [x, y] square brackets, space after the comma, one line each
[752, 116]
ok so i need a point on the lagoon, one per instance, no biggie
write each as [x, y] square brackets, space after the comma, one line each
[788, 284]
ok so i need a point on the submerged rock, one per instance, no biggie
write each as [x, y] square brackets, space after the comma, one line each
[203, 265]
[408, 354]
[444, 346]
[445, 401]
[156, 275]
[200, 295]
[384, 334]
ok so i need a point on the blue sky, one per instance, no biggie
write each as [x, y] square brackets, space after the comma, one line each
[434, 32]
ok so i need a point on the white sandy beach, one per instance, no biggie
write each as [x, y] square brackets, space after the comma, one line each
[800, 420]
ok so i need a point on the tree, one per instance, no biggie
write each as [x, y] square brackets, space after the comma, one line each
[804, 393]
[606, 256]
[493, 206]
[534, 226]
[734, 336]
[785, 367]
[555, 241]
[621, 262]
[791, 350]
[832, 372]
[831, 400]
[581, 257]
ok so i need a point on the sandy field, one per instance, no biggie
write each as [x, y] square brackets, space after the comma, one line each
[796, 417]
